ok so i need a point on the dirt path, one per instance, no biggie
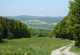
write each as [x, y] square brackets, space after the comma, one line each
[63, 51]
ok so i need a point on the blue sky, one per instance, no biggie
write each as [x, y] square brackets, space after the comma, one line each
[34, 7]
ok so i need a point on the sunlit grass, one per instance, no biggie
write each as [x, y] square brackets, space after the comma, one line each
[76, 50]
[31, 46]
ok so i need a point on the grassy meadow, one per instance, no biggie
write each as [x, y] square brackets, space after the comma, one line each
[31, 46]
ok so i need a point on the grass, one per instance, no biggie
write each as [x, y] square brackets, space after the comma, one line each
[31, 46]
[76, 50]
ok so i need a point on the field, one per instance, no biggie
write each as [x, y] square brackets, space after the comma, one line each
[31, 46]
[76, 50]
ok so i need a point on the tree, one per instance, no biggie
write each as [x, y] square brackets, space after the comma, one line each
[12, 29]
[69, 27]
[3, 28]
[20, 30]
[74, 14]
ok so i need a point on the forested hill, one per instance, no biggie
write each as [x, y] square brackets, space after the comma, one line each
[39, 22]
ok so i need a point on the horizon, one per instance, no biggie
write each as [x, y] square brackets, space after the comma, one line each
[32, 15]
[50, 8]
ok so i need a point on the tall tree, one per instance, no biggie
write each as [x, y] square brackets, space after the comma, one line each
[69, 27]
[75, 13]
[12, 29]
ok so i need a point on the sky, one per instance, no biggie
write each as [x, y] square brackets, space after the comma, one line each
[34, 7]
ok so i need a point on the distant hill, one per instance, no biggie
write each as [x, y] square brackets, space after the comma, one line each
[41, 22]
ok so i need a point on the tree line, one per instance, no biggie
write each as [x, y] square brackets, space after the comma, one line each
[10, 28]
[69, 27]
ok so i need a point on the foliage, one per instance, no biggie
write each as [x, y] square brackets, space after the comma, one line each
[12, 29]
[69, 27]
[40, 32]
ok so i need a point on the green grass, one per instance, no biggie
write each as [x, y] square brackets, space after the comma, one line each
[31, 46]
[76, 50]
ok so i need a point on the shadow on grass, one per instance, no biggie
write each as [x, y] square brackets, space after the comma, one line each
[3, 41]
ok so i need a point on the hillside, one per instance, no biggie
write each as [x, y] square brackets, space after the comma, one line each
[40, 22]
[31, 46]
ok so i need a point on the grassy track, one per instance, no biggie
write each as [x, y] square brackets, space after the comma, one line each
[31, 46]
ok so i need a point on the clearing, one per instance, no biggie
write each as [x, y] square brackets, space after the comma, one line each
[31, 46]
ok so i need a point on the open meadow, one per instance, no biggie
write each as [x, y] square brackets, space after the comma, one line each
[31, 46]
